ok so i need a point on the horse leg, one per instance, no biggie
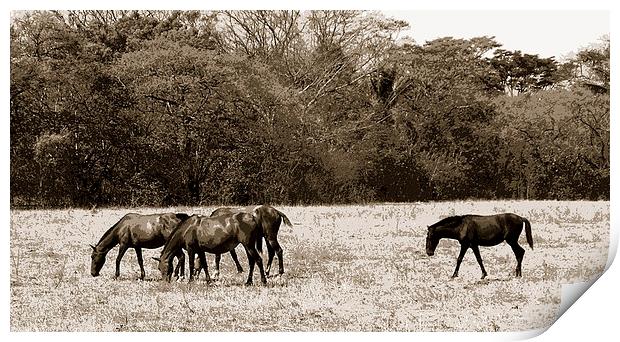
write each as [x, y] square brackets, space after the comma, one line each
[121, 251]
[216, 274]
[140, 261]
[191, 255]
[197, 267]
[276, 246]
[251, 265]
[233, 255]
[203, 261]
[519, 252]
[464, 248]
[479, 258]
[180, 265]
[259, 261]
[271, 252]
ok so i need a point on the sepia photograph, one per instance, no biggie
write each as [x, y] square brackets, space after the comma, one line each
[305, 170]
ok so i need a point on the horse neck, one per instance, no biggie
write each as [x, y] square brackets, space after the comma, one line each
[172, 246]
[107, 242]
[448, 232]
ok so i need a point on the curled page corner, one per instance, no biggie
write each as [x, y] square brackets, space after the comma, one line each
[570, 293]
[526, 334]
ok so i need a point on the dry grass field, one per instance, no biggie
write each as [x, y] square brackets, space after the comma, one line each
[348, 268]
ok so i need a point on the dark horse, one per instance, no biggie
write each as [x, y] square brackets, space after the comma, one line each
[217, 235]
[136, 231]
[474, 230]
[269, 220]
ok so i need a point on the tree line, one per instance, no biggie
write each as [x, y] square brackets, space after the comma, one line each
[135, 108]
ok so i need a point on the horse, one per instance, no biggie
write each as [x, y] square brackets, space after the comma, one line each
[269, 219]
[199, 234]
[136, 231]
[476, 230]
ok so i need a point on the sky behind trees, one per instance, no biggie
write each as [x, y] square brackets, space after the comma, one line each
[546, 33]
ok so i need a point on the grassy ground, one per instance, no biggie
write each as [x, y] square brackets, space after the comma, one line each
[348, 268]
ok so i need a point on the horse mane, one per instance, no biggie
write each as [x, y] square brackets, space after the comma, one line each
[110, 230]
[450, 221]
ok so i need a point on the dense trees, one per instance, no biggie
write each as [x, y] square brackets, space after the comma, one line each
[165, 107]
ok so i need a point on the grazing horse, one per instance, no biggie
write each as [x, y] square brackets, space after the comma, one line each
[217, 235]
[474, 230]
[136, 231]
[269, 219]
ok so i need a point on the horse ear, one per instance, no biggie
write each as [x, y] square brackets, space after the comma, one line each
[93, 247]
[156, 259]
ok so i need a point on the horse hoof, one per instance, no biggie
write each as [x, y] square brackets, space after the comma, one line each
[249, 283]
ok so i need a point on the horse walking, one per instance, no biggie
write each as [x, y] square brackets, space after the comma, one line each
[136, 231]
[217, 235]
[269, 220]
[475, 230]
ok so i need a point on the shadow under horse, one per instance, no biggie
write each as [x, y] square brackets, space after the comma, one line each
[476, 230]
[269, 220]
[216, 235]
[137, 231]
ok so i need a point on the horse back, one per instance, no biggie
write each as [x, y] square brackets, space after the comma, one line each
[493, 229]
[217, 234]
[230, 210]
[147, 231]
[223, 211]
[240, 225]
[489, 230]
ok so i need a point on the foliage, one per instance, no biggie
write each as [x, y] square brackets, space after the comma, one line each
[190, 107]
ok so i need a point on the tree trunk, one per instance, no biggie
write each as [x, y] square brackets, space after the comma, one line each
[193, 186]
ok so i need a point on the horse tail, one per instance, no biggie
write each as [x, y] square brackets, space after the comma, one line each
[528, 233]
[284, 218]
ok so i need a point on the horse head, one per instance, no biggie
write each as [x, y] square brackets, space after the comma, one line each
[431, 241]
[164, 267]
[97, 261]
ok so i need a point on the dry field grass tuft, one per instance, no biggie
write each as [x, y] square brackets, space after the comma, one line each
[348, 268]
